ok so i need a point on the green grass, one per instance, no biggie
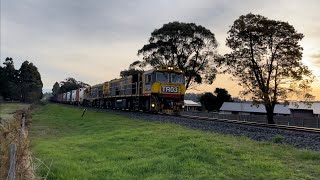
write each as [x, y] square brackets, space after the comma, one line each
[8, 109]
[109, 146]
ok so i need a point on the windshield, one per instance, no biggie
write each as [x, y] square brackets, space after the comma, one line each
[177, 78]
[162, 77]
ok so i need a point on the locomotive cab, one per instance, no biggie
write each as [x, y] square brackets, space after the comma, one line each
[164, 88]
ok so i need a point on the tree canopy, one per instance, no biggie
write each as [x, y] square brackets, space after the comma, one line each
[30, 82]
[188, 46]
[55, 89]
[130, 71]
[24, 84]
[266, 59]
[222, 95]
[213, 101]
[207, 100]
[9, 88]
[67, 85]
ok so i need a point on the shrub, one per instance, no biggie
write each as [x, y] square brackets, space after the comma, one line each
[277, 138]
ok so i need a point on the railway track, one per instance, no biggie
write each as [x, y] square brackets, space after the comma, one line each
[274, 126]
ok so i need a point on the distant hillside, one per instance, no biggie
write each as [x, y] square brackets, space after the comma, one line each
[46, 91]
[192, 96]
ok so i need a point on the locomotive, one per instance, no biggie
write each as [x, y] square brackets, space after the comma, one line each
[161, 89]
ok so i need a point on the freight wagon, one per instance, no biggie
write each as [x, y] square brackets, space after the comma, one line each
[68, 97]
[80, 95]
[73, 96]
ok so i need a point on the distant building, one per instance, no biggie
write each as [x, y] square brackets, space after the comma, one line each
[248, 108]
[190, 105]
[295, 109]
[301, 109]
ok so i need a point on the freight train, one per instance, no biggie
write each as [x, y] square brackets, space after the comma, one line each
[161, 89]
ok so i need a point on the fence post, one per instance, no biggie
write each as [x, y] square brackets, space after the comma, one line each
[12, 161]
[84, 111]
[23, 123]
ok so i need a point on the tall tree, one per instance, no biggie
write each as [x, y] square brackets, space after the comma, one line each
[266, 59]
[130, 71]
[10, 71]
[2, 82]
[188, 46]
[213, 101]
[222, 96]
[10, 89]
[30, 82]
[55, 89]
[208, 101]
[71, 84]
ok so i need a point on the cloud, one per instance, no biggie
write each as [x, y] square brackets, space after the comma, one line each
[315, 60]
[316, 56]
[93, 40]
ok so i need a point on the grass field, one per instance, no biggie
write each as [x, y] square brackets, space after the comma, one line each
[7, 109]
[110, 146]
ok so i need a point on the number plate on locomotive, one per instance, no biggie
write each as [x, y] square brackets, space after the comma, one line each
[169, 89]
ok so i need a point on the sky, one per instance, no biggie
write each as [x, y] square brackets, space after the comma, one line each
[94, 40]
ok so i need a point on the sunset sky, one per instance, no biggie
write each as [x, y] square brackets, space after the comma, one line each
[93, 41]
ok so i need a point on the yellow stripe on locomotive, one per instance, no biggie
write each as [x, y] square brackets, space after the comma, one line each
[168, 88]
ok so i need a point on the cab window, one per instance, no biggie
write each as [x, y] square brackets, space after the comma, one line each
[148, 78]
[177, 78]
[162, 77]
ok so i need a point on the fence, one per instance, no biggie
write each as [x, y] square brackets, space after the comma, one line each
[14, 150]
[311, 122]
[12, 161]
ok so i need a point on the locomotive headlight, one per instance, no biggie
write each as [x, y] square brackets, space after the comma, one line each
[182, 106]
[153, 105]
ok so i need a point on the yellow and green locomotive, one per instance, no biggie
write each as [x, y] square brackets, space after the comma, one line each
[160, 89]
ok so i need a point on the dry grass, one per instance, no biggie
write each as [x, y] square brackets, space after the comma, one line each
[7, 110]
[10, 132]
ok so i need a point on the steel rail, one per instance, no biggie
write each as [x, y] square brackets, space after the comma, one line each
[274, 126]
